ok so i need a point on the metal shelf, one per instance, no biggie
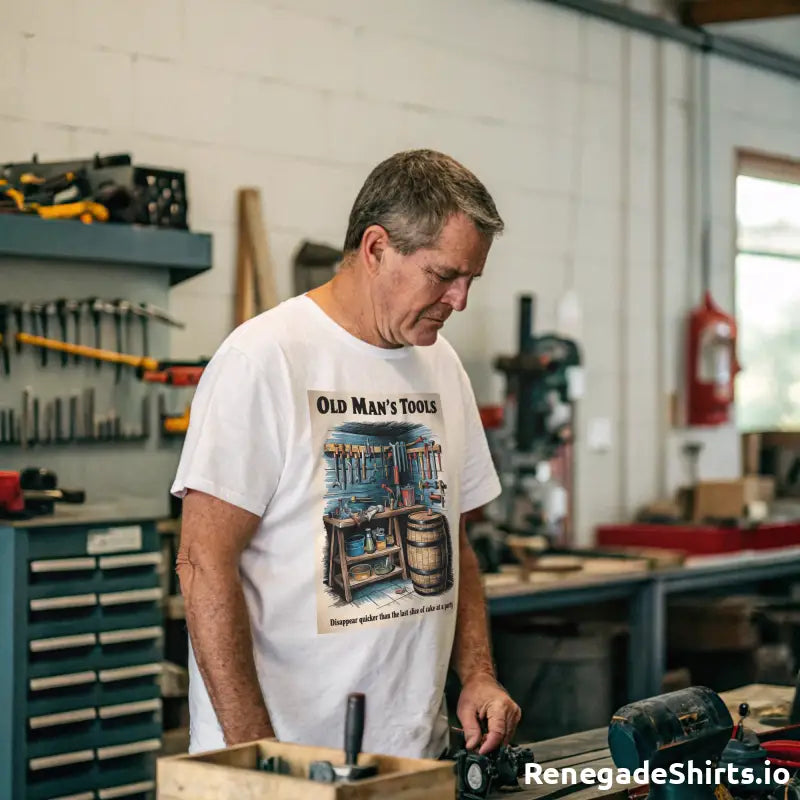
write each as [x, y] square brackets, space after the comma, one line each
[183, 253]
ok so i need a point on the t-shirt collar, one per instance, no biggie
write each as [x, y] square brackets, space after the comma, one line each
[345, 336]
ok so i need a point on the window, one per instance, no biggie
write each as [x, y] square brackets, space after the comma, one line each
[768, 293]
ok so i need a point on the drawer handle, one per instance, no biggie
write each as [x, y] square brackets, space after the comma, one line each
[123, 562]
[133, 596]
[128, 673]
[126, 791]
[61, 760]
[70, 601]
[62, 564]
[57, 681]
[132, 749]
[64, 718]
[126, 709]
[80, 796]
[131, 635]
[63, 642]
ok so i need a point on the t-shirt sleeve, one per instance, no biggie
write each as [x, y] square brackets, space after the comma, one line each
[234, 447]
[479, 481]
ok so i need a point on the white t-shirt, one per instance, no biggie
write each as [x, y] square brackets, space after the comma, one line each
[292, 419]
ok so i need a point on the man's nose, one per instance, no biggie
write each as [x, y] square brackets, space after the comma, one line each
[456, 294]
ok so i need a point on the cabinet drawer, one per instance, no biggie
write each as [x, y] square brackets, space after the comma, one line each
[63, 615]
[72, 541]
[72, 717]
[129, 684]
[132, 607]
[66, 759]
[131, 597]
[116, 773]
[80, 729]
[57, 655]
[130, 791]
[120, 751]
[120, 710]
[63, 777]
[57, 693]
[51, 575]
[76, 730]
[129, 571]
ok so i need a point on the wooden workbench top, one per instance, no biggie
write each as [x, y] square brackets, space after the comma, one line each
[590, 749]
[348, 522]
[508, 583]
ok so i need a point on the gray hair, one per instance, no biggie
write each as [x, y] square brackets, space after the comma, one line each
[413, 194]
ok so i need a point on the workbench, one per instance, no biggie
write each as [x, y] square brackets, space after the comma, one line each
[646, 595]
[590, 749]
[339, 562]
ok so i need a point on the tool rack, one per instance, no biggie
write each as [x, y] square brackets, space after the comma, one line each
[45, 259]
[80, 600]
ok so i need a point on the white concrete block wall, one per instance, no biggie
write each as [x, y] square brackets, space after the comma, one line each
[583, 132]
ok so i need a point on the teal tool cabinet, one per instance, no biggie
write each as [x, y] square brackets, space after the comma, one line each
[81, 646]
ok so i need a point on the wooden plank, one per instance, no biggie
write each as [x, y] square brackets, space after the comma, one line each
[705, 12]
[255, 273]
[574, 744]
[584, 759]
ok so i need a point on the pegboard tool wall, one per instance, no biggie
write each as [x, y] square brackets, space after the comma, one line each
[106, 470]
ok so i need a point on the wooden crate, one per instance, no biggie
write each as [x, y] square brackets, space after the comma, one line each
[231, 774]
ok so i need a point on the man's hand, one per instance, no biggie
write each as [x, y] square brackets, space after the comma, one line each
[482, 697]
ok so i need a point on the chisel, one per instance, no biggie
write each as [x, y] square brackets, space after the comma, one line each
[76, 308]
[36, 420]
[73, 417]
[61, 313]
[145, 432]
[58, 419]
[25, 423]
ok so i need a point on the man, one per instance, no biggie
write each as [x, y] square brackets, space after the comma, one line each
[341, 396]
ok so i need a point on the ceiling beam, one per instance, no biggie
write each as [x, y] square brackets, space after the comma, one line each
[705, 12]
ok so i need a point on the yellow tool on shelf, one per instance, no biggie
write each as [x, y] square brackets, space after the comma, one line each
[85, 210]
[176, 423]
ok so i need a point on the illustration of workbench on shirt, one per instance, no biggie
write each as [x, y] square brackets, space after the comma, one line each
[384, 519]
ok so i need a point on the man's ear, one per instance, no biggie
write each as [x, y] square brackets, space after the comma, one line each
[374, 243]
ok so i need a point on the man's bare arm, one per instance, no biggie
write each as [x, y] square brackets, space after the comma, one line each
[482, 697]
[471, 651]
[213, 535]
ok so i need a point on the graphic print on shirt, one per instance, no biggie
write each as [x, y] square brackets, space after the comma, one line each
[385, 549]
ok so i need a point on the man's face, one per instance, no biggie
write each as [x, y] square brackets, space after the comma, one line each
[414, 295]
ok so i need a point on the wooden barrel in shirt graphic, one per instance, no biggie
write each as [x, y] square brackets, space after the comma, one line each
[426, 549]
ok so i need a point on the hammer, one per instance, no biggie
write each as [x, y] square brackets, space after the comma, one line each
[324, 771]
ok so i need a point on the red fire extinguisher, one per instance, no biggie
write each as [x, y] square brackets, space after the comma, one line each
[712, 364]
